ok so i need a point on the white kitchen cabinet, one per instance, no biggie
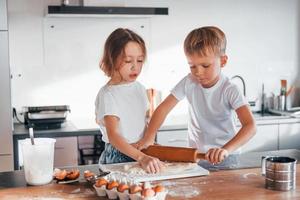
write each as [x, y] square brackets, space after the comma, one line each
[6, 163]
[178, 138]
[66, 152]
[265, 139]
[6, 147]
[289, 136]
[271, 135]
[5, 102]
[3, 15]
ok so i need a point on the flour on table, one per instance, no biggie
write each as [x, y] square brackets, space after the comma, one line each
[171, 168]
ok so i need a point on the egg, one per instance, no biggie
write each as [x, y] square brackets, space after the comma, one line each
[135, 189]
[148, 192]
[100, 182]
[159, 188]
[112, 185]
[88, 173]
[60, 175]
[122, 187]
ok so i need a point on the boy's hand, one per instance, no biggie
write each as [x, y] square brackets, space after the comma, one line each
[216, 155]
[151, 164]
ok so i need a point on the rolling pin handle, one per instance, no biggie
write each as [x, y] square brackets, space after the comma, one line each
[200, 156]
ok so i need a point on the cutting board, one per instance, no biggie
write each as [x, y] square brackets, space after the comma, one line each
[121, 167]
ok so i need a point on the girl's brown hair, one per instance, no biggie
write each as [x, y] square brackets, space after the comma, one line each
[114, 49]
[204, 40]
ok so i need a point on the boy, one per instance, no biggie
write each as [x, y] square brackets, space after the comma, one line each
[212, 99]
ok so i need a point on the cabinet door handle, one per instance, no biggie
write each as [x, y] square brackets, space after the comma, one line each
[5, 154]
[59, 148]
[177, 140]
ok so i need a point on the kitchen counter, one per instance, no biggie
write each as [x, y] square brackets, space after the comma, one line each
[230, 184]
[68, 129]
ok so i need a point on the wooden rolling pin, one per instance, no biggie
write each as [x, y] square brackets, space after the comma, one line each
[174, 154]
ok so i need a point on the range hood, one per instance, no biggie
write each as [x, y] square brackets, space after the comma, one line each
[67, 11]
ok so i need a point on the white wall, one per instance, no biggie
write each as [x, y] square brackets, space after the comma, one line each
[55, 60]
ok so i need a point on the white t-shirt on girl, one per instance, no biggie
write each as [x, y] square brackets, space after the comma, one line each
[128, 102]
[211, 111]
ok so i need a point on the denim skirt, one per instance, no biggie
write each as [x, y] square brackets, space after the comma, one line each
[112, 155]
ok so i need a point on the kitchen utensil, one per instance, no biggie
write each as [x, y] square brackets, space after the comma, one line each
[282, 97]
[174, 154]
[154, 97]
[38, 160]
[102, 173]
[290, 90]
[31, 135]
[92, 179]
[281, 103]
[263, 100]
[280, 172]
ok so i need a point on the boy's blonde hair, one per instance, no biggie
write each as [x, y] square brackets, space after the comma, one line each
[114, 48]
[204, 40]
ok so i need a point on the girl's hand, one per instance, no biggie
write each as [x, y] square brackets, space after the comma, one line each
[150, 164]
[216, 155]
[135, 145]
[142, 144]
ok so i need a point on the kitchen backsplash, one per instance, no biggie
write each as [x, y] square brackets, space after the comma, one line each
[54, 60]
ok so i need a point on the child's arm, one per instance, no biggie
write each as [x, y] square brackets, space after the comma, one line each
[156, 121]
[150, 164]
[247, 131]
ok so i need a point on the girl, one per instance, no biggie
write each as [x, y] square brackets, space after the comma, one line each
[121, 104]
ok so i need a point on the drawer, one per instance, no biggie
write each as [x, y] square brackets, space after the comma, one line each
[86, 142]
[173, 138]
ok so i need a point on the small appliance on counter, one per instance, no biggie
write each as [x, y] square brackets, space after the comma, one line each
[45, 117]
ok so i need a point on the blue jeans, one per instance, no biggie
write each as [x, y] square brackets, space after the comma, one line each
[231, 162]
[112, 155]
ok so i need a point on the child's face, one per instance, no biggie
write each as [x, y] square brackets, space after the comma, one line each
[132, 63]
[206, 69]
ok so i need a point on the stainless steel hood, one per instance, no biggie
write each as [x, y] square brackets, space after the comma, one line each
[69, 11]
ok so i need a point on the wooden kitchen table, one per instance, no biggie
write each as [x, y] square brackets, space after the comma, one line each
[223, 184]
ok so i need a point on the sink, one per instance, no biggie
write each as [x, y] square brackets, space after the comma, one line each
[294, 112]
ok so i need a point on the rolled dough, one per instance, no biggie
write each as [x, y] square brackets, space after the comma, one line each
[171, 168]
